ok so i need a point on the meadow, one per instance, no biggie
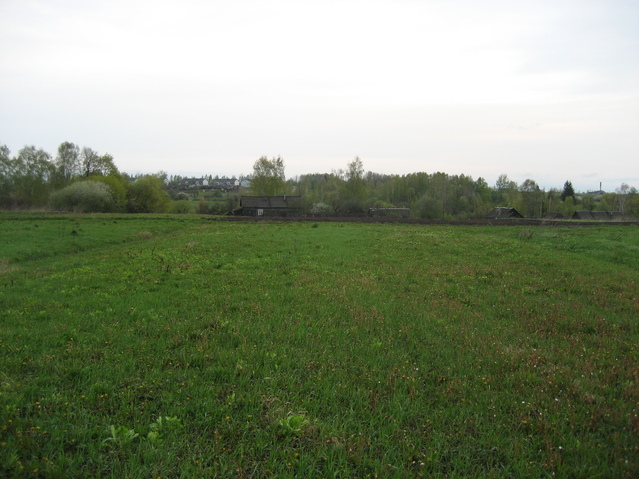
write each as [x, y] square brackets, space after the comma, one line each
[180, 346]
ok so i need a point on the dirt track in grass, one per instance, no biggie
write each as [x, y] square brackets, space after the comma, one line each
[418, 221]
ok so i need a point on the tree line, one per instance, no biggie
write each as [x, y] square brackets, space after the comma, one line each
[81, 179]
[76, 179]
[352, 191]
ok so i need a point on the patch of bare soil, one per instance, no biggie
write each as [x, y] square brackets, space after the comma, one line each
[416, 221]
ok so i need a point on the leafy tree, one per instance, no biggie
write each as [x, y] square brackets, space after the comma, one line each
[552, 202]
[8, 169]
[428, 207]
[67, 163]
[24, 180]
[334, 191]
[503, 183]
[355, 170]
[483, 202]
[568, 191]
[268, 177]
[505, 190]
[607, 202]
[119, 188]
[567, 208]
[633, 202]
[94, 164]
[622, 197]
[588, 203]
[531, 199]
[463, 207]
[355, 190]
[5, 153]
[482, 186]
[88, 161]
[146, 195]
[33, 171]
[392, 189]
[440, 186]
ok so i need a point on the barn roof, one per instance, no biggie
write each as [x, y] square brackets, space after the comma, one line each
[503, 212]
[402, 212]
[596, 215]
[601, 215]
[389, 209]
[582, 215]
[270, 201]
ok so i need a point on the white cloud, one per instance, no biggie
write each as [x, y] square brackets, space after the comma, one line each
[546, 88]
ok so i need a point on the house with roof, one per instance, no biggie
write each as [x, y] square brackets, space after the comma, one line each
[389, 212]
[597, 215]
[270, 206]
[503, 212]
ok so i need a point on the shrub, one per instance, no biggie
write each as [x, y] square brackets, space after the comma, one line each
[84, 197]
[118, 189]
[182, 207]
[221, 207]
[203, 207]
[147, 196]
[320, 208]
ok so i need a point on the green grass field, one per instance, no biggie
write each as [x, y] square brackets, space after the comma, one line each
[160, 346]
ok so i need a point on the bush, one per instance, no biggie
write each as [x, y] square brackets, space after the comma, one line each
[320, 209]
[203, 207]
[218, 208]
[182, 207]
[84, 197]
[118, 189]
[147, 196]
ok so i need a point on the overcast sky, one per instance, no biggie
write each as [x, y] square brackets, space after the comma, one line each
[542, 89]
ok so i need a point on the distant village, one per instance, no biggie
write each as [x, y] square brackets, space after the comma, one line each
[241, 200]
[224, 184]
[82, 180]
